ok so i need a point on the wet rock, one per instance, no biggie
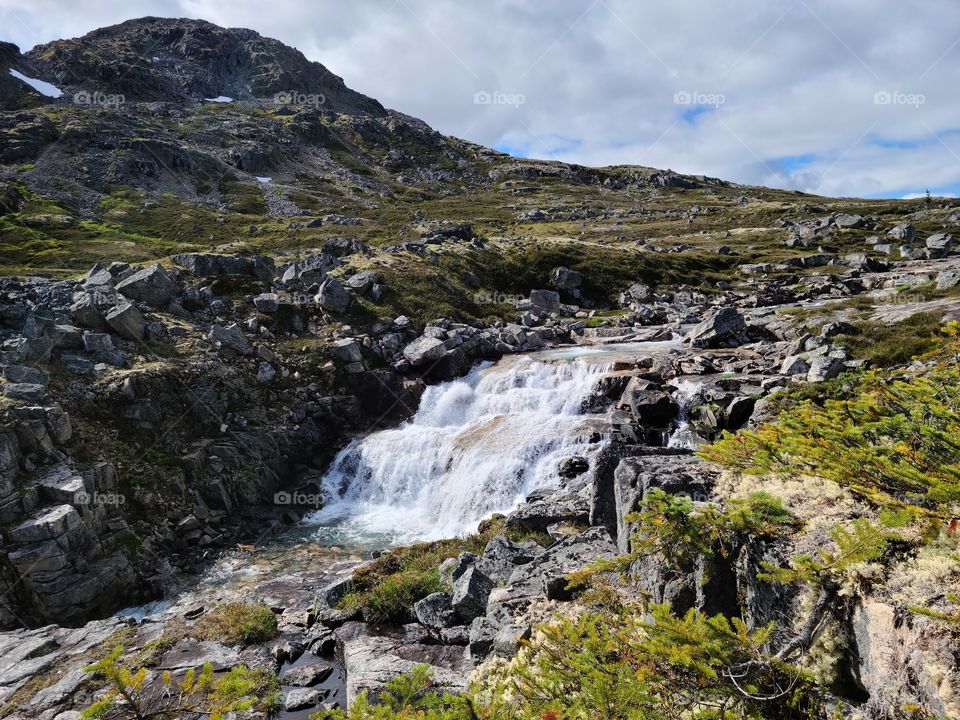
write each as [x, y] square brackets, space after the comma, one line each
[573, 466]
[648, 403]
[301, 699]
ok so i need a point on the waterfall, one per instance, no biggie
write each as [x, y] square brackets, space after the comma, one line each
[476, 445]
[685, 436]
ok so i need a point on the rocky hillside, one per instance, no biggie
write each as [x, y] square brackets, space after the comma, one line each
[220, 264]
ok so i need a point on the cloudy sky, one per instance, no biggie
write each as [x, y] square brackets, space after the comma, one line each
[838, 97]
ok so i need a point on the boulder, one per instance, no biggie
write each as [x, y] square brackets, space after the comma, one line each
[435, 611]
[452, 568]
[307, 675]
[648, 403]
[301, 699]
[231, 338]
[546, 574]
[424, 350]
[938, 245]
[547, 301]
[362, 282]
[470, 593]
[48, 524]
[849, 220]
[24, 374]
[825, 368]
[347, 350]
[794, 365]
[725, 328]
[126, 321]
[332, 296]
[948, 278]
[151, 285]
[501, 557]
[267, 302]
[265, 372]
[636, 293]
[904, 232]
[86, 313]
[565, 279]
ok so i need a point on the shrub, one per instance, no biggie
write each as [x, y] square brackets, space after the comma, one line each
[237, 624]
[894, 438]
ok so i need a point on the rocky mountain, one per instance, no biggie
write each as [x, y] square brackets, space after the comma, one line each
[222, 272]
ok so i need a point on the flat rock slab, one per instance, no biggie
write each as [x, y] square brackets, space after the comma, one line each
[190, 653]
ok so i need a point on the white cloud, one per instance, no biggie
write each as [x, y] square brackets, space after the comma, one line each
[857, 96]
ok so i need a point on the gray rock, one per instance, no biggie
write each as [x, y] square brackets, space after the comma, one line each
[307, 675]
[266, 302]
[300, 699]
[126, 321]
[265, 372]
[332, 296]
[501, 557]
[507, 640]
[452, 568]
[849, 220]
[545, 300]
[86, 313]
[151, 285]
[636, 293]
[470, 593]
[26, 391]
[231, 337]
[362, 282]
[435, 611]
[794, 365]
[939, 245]
[565, 278]
[546, 574]
[725, 328]
[347, 350]
[24, 374]
[904, 232]
[825, 368]
[48, 524]
[424, 350]
[947, 279]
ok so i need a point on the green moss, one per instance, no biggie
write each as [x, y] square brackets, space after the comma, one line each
[886, 344]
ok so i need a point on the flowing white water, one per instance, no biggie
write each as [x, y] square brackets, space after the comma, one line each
[685, 436]
[477, 445]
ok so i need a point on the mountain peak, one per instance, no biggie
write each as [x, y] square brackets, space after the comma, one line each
[182, 60]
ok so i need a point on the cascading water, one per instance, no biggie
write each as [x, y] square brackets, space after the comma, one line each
[477, 445]
[685, 436]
